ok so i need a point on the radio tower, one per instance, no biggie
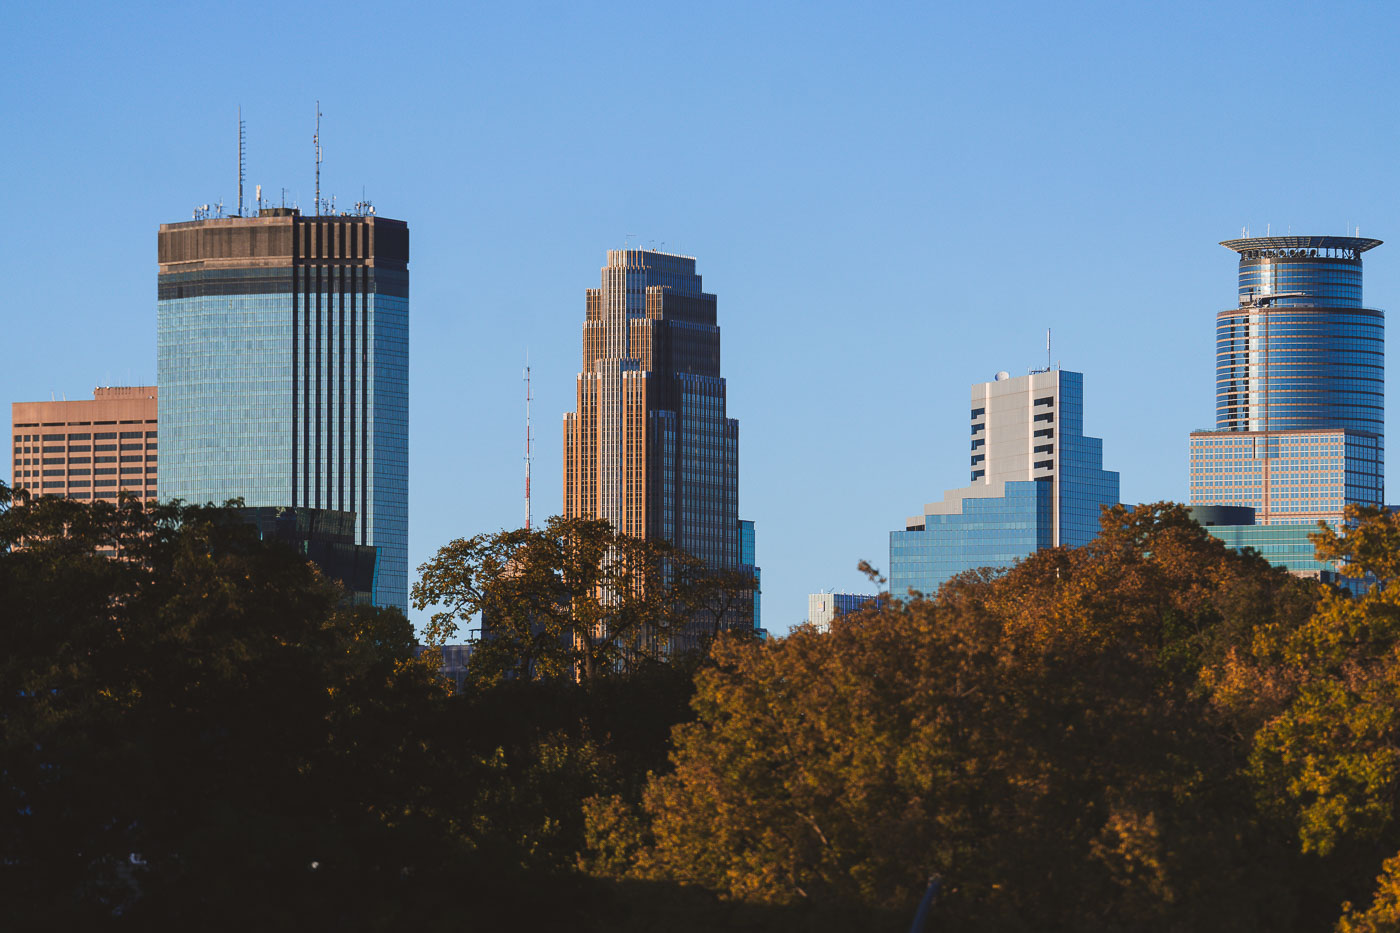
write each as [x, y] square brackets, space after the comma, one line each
[316, 141]
[242, 155]
[527, 442]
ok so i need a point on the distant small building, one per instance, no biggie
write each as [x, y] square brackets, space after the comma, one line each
[823, 608]
[748, 545]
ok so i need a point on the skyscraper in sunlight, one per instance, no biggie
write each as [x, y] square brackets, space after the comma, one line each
[650, 445]
[282, 363]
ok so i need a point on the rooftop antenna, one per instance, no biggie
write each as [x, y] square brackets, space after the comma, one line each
[527, 440]
[316, 141]
[1047, 349]
[242, 155]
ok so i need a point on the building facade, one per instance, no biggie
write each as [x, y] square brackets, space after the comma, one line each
[1037, 481]
[823, 608]
[1300, 397]
[1300, 386]
[282, 360]
[326, 538]
[89, 449]
[748, 560]
[650, 445]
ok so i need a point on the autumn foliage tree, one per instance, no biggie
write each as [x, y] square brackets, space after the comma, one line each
[1328, 756]
[1048, 741]
[1149, 733]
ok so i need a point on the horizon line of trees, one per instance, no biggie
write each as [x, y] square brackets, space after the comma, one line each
[1151, 732]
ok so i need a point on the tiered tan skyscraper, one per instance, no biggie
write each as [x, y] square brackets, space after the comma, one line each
[650, 446]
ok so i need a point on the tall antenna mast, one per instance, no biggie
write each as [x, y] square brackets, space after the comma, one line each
[527, 441]
[242, 154]
[1047, 348]
[316, 140]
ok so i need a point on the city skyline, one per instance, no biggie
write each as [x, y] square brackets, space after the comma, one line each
[862, 189]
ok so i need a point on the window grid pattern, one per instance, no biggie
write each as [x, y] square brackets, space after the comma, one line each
[1298, 477]
[54, 456]
[649, 445]
[1027, 447]
[1300, 389]
[289, 386]
[992, 532]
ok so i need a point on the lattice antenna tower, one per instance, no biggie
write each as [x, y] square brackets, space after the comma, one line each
[527, 441]
[316, 141]
[242, 156]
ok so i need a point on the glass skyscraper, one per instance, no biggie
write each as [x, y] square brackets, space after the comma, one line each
[1300, 386]
[650, 446]
[282, 363]
[1037, 482]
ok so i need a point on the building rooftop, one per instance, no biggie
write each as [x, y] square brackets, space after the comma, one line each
[1359, 244]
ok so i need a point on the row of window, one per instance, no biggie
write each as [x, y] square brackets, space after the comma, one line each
[110, 458]
[86, 436]
[83, 483]
[85, 448]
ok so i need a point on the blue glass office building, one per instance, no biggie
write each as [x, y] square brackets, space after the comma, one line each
[1299, 386]
[748, 560]
[282, 362]
[1037, 482]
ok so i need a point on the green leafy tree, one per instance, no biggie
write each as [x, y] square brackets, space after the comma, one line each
[194, 728]
[572, 599]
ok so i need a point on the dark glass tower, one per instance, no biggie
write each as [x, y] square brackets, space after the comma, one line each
[650, 446]
[282, 361]
[1300, 386]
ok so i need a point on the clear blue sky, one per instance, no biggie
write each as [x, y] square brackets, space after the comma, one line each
[892, 202]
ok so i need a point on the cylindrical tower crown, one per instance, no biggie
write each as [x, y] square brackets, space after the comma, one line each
[1300, 352]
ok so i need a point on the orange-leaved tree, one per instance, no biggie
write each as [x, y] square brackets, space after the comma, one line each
[1046, 740]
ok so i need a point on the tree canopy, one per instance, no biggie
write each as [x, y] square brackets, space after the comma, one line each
[1084, 742]
[1150, 733]
[575, 599]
